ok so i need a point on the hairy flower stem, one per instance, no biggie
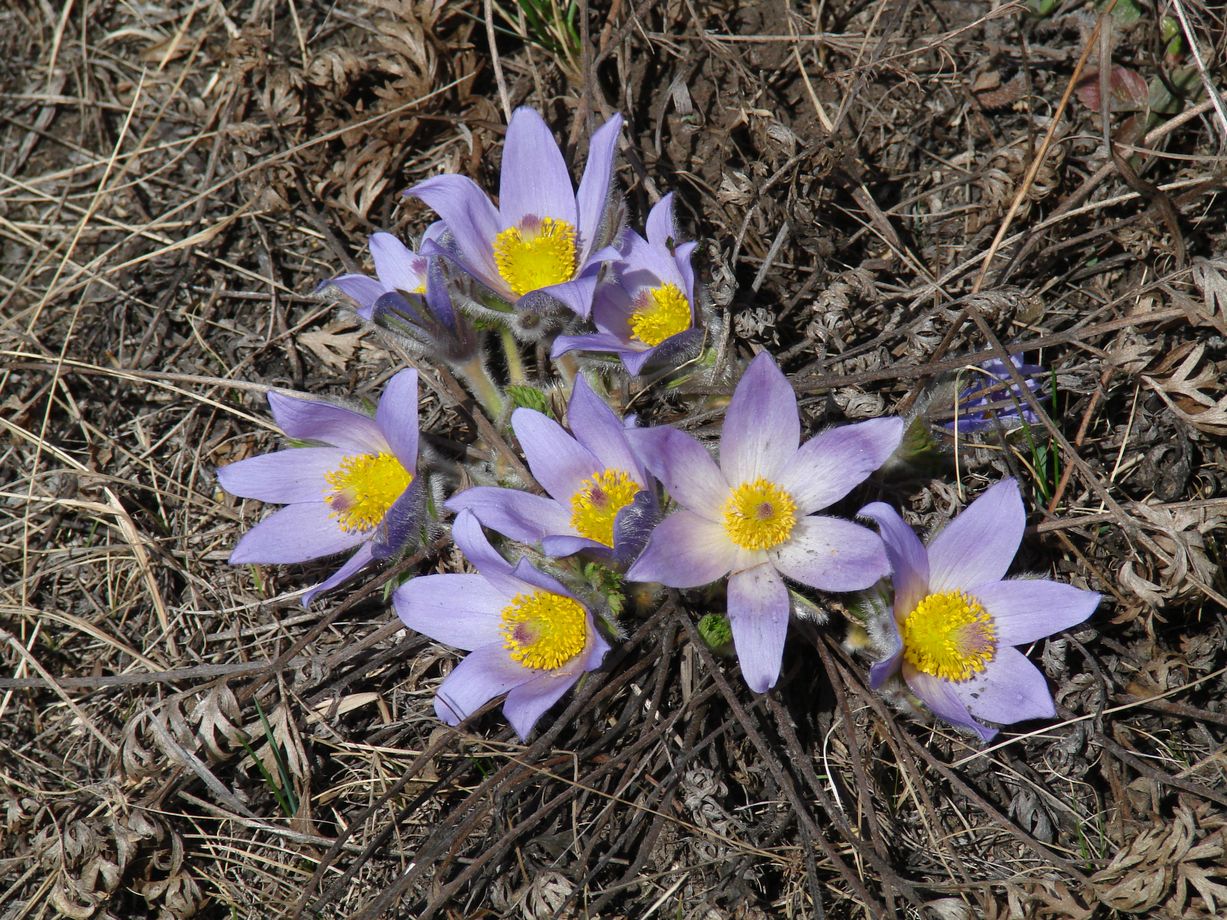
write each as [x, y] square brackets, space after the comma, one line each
[568, 368]
[515, 363]
[482, 386]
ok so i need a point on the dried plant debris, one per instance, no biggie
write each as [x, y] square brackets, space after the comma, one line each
[892, 201]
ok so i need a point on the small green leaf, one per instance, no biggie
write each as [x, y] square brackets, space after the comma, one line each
[525, 397]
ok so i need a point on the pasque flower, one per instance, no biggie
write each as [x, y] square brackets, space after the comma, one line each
[993, 398]
[956, 619]
[544, 241]
[598, 498]
[646, 314]
[358, 490]
[753, 516]
[397, 269]
[526, 634]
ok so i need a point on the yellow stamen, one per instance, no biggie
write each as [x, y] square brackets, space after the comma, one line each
[949, 635]
[597, 502]
[536, 254]
[659, 313]
[543, 630]
[759, 515]
[364, 487]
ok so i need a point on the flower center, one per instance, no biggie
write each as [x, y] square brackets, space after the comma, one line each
[364, 487]
[543, 630]
[536, 254]
[759, 515]
[597, 502]
[660, 312]
[949, 635]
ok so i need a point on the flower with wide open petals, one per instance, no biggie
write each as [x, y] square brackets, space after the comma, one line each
[646, 314]
[598, 492]
[357, 490]
[956, 619]
[545, 241]
[526, 635]
[753, 516]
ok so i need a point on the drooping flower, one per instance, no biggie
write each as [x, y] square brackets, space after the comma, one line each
[993, 398]
[753, 516]
[410, 298]
[598, 492]
[956, 619]
[646, 315]
[358, 491]
[526, 634]
[544, 241]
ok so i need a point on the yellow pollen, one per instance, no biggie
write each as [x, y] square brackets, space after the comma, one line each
[660, 312]
[949, 635]
[597, 502]
[543, 630]
[535, 254]
[364, 487]
[759, 515]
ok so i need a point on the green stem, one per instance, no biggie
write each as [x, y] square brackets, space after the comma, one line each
[483, 388]
[515, 364]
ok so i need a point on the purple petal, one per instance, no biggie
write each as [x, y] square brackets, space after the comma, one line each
[296, 533]
[1010, 689]
[469, 537]
[758, 613]
[1026, 609]
[362, 290]
[361, 558]
[832, 555]
[557, 461]
[485, 673]
[402, 522]
[633, 525]
[515, 514]
[593, 198]
[649, 265]
[559, 546]
[529, 701]
[597, 428]
[471, 220]
[397, 417]
[601, 341]
[310, 420]
[978, 546]
[463, 611]
[905, 553]
[888, 667]
[684, 468]
[761, 428]
[681, 256]
[394, 264]
[833, 463]
[685, 551]
[533, 579]
[660, 224]
[534, 179]
[575, 295]
[284, 476]
[940, 697]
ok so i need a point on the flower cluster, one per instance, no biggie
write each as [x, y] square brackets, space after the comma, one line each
[655, 505]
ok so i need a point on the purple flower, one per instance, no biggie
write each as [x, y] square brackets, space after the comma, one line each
[359, 491]
[527, 635]
[753, 515]
[397, 269]
[956, 619]
[544, 241]
[647, 316]
[994, 398]
[598, 496]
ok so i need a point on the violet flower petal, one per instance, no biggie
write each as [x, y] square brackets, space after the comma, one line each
[939, 695]
[905, 553]
[660, 226]
[528, 702]
[394, 263]
[761, 428]
[397, 417]
[758, 614]
[684, 468]
[592, 199]
[600, 341]
[284, 476]
[401, 522]
[978, 546]
[1026, 609]
[881, 671]
[560, 545]
[576, 295]
[534, 179]
[485, 673]
[309, 420]
[471, 220]
[833, 463]
[1010, 689]
[471, 539]
[598, 428]
[831, 554]
[295, 533]
[557, 461]
[519, 515]
[462, 611]
[360, 288]
[685, 551]
[361, 558]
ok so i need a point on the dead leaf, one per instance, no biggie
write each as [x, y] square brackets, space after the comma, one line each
[335, 343]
